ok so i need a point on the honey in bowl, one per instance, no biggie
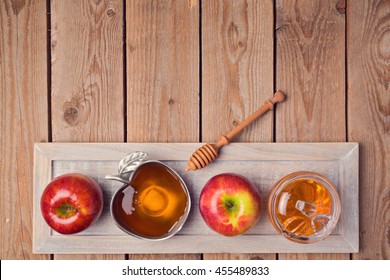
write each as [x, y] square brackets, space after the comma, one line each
[154, 205]
[304, 207]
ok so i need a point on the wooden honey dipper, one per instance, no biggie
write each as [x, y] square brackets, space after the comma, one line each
[207, 153]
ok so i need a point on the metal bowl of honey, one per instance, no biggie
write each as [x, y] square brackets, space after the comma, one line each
[304, 207]
[154, 201]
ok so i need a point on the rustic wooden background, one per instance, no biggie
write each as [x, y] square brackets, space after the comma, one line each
[187, 71]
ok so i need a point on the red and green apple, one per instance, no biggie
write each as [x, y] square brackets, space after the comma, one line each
[71, 203]
[230, 204]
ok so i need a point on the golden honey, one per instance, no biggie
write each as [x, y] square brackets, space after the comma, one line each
[300, 201]
[153, 202]
[304, 207]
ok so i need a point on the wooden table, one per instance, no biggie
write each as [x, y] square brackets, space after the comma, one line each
[187, 71]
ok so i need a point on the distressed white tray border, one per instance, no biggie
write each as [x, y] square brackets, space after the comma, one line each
[346, 241]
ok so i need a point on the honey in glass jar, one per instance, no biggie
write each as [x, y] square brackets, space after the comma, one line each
[304, 207]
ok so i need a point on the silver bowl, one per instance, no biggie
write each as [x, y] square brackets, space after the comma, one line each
[127, 168]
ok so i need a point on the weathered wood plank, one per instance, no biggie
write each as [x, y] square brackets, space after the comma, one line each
[246, 256]
[162, 71]
[314, 256]
[310, 54]
[24, 119]
[310, 68]
[162, 75]
[237, 73]
[164, 256]
[369, 119]
[87, 70]
[87, 75]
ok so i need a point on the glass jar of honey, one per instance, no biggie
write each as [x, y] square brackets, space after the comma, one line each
[304, 207]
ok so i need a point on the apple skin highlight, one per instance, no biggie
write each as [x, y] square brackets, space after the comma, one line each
[71, 203]
[230, 204]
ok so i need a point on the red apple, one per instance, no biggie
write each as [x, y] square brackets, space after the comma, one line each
[71, 203]
[230, 204]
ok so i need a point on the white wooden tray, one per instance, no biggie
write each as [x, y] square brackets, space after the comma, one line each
[261, 163]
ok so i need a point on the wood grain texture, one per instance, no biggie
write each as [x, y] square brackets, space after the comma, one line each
[310, 68]
[162, 71]
[314, 256]
[237, 67]
[24, 119]
[89, 257]
[237, 73]
[310, 62]
[247, 256]
[87, 70]
[164, 257]
[87, 74]
[369, 119]
[162, 75]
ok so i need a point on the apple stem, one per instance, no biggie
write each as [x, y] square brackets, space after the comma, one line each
[229, 204]
[66, 210]
[70, 208]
